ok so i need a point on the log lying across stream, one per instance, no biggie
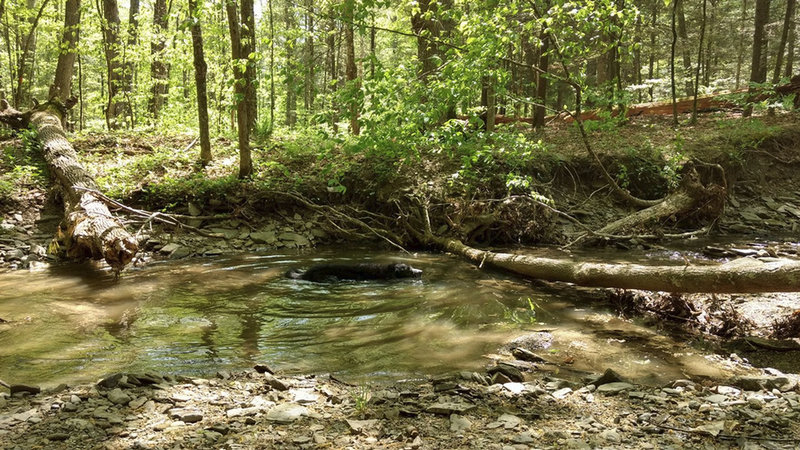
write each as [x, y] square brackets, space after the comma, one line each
[88, 230]
[744, 275]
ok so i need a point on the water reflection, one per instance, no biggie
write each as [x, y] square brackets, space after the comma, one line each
[73, 323]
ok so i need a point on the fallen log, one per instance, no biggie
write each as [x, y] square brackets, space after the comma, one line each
[743, 275]
[88, 229]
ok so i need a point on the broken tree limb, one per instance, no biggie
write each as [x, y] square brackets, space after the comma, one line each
[744, 275]
[88, 229]
[691, 197]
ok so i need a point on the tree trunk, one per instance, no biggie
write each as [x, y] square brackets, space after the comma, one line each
[248, 35]
[758, 65]
[116, 106]
[159, 71]
[673, 87]
[651, 61]
[699, 62]
[291, 68]
[790, 47]
[27, 44]
[243, 132]
[200, 70]
[740, 44]
[745, 275]
[333, 74]
[128, 57]
[787, 25]
[88, 230]
[61, 87]
[309, 88]
[539, 111]
[351, 71]
[271, 68]
[685, 49]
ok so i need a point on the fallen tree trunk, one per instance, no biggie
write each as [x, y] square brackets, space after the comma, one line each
[88, 229]
[744, 275]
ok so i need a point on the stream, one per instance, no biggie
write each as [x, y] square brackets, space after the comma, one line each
[74, 323]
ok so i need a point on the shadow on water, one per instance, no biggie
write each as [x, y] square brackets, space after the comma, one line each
[74, 323]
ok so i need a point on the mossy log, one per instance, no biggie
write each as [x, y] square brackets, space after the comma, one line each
[88, 229]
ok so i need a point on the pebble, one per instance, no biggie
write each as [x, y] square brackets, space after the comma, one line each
[459, 423]
[117, 397]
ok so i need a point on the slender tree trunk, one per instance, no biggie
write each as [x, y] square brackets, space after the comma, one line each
[685, 49]
[672, 65]
[80, 93]
[710, 46]
[542, 82]
[243, 132]
[740, 44]
[291, 69]
[651, 62]
[62, 84]
[271, 68]
[25, 63]
[248, 35]
[351, 71]
[333, 74]
[758, 65]
[159, 71]
[129, 66]
[790, 47]
[200, 71]
[699, 59]
[116, 105]
[309, 85]
[787, 25]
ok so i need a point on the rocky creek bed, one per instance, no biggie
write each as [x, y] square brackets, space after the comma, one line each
[509, 406]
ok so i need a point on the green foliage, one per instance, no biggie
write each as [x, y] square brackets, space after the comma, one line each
[738, 136]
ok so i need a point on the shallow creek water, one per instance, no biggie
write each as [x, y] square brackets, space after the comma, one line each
[76, 323]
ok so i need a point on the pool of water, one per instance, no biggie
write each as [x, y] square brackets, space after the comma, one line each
[76, 323]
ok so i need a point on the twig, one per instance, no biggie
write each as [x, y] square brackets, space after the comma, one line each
[189, 147]
[150, 216]
[4, 384]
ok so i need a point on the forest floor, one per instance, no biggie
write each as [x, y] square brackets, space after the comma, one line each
[538, 410]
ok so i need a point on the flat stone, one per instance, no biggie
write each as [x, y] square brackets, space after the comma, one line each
[169, 248]
[523, 438]
[33, 390]
[609, 376]
[186, 415]
[304, 396]
[297, 239]
[118, 397]
[716, 398]
[240, 412]
[459, 423]
[264, 237]
[514, 388]
[562, 393]
[286, 413]
[614, 388]
[276, 383]
[447, 408]
[361, 426]
[611, 436]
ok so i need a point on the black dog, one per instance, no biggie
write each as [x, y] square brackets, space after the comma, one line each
[356, 271]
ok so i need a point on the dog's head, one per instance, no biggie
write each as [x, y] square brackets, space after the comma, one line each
[405, 271]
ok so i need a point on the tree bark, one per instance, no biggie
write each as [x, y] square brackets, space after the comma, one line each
[699, 62]
[744, 275]
[62, 84]
[787, 25]
[685, 49]
[291, 69]
[88, 230]
[351, 71]
[541, 82]
[200, 71]
[673, 87]
[758, 65]
[248, 34]
[116, 105]
[159, 71]
[243, 132]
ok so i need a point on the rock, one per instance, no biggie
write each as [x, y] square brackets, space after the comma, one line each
[459, 423]
[194, 210]
[562, 393]
[614, 388]
[511, 372]
[286, 413]
[523, 438]
[448, 408]
[304, 396]
[782, 383]
[57, 437]
[17, 388]
[263, 368]
[361, 426]
[264, 237]
[609, 376]
[241, 412]
[186, 415]
[275, 382]
[727, 390]
[611, 436]
[755, 402]
[514, 388]
[716, 398]
[169, 248]
[118, 397]
[526, 355]
[220, 428]
[294, 238]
